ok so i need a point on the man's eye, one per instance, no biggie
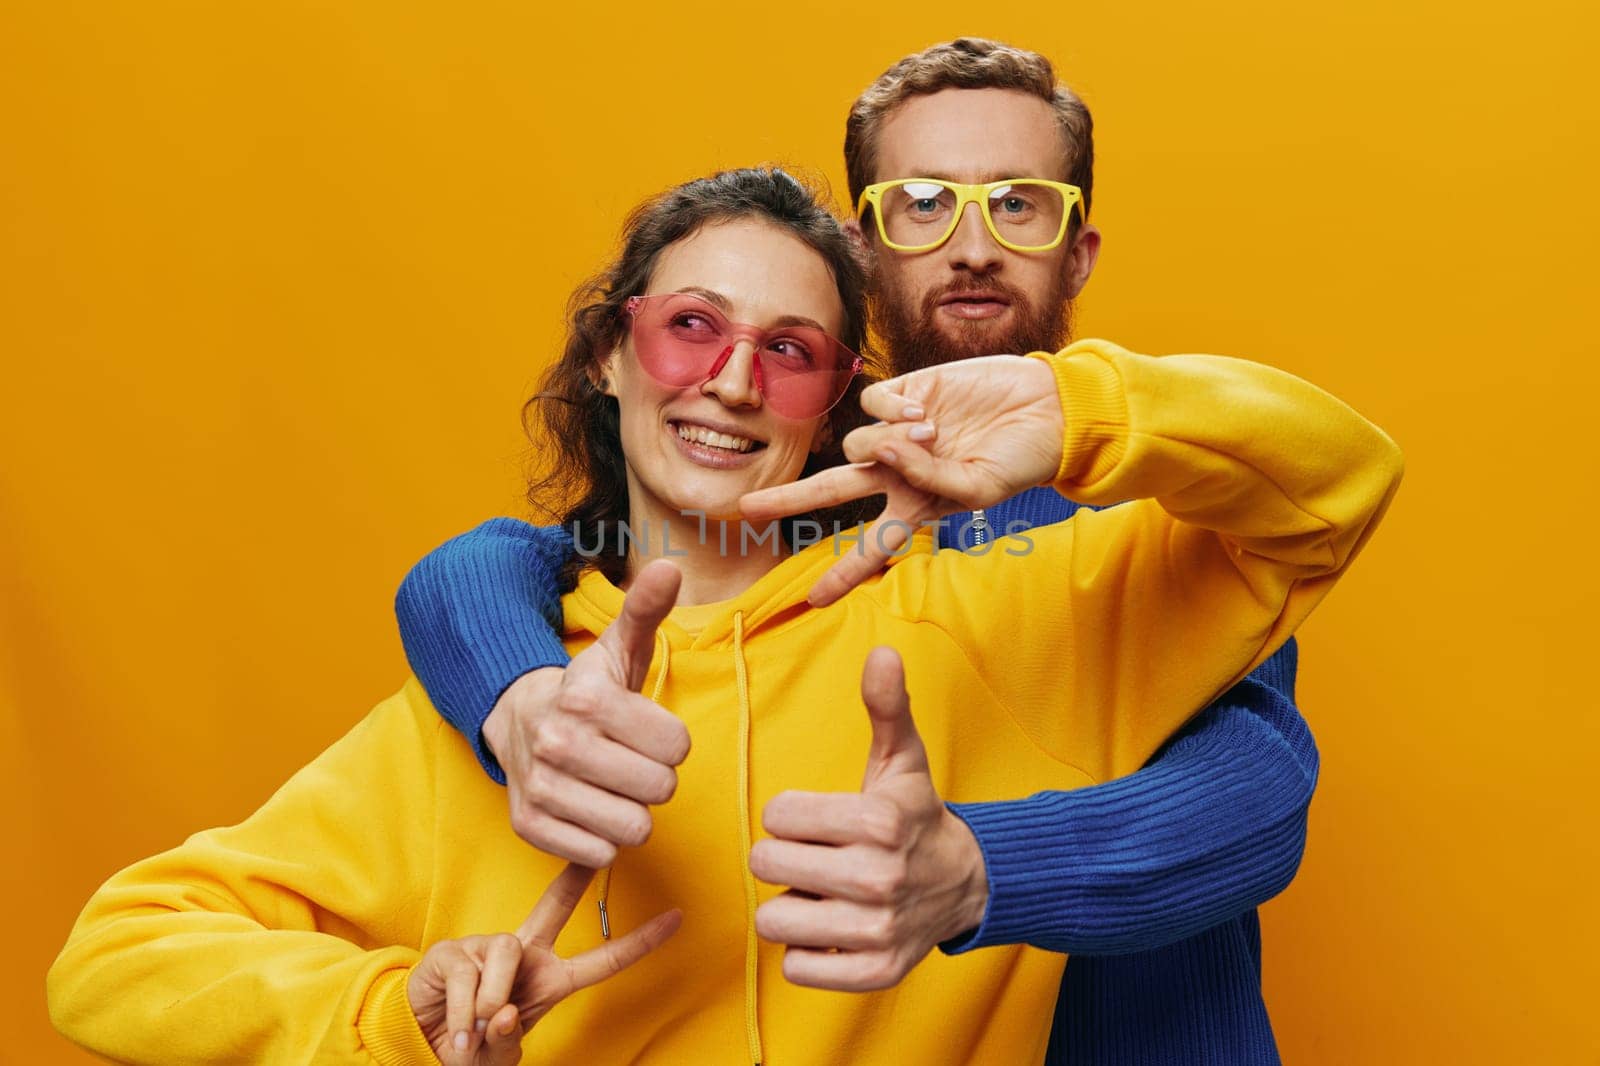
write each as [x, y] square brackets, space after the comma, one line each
[1012, 206]
[924, 200]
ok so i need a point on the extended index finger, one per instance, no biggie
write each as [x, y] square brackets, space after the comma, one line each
[615, 956]
[826, 488]
[550, 914]
[860, 559]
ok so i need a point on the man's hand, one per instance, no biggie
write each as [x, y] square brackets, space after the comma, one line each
[877, 877]
[475, 998]
[952, 437]
[585, 754]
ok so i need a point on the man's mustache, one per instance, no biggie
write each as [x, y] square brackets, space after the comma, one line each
[977, 282]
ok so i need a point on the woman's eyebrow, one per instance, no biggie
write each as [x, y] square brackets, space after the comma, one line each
[710, 296]
[723, 304]
[798, 320]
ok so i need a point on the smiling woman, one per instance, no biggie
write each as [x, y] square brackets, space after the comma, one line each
[346, 919]
[696, 448]
[712, 420]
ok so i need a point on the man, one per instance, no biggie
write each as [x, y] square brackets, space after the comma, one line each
[1149, 883]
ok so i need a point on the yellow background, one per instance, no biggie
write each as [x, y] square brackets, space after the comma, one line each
[275, 277]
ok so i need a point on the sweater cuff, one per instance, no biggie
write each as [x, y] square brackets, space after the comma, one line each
[387, 1026]
[476, 689]
[976, 937]
[1094, 411]
[479, 612]
[1009, 840]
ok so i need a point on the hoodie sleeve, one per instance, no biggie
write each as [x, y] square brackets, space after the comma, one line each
[478, 612]
[1213, 826]
[272, 941]
[1251, 493]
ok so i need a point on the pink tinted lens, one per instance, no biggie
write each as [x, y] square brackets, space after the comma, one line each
[681, 340]
[677, 338]
[804, 371]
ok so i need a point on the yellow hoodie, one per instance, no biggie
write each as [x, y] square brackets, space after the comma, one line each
[1052, 661]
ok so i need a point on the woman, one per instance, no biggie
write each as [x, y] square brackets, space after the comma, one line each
[334, 924]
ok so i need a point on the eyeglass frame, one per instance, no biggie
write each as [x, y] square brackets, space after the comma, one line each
[742, 332]
[872, 196]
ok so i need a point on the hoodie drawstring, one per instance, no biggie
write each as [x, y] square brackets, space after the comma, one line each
[655, 697]
[751, 1025]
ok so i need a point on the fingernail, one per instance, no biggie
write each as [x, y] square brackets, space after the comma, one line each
[885, 455]
[483, 1023]
[912, 412]
[461, 1040]
[921, 431]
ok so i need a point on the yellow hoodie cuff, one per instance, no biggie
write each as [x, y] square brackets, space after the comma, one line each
[388, 1028]
[1094, 413]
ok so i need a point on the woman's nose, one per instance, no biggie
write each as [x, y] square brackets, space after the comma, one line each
[735, 377]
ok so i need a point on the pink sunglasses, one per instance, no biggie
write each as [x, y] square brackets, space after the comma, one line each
[683, 340]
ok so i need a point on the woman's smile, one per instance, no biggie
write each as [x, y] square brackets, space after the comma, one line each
[714, 444]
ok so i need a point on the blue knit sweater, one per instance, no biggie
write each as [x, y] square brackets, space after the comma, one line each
[1150, 883]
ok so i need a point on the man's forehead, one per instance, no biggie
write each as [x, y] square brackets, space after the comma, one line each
[983, 175]
[972, 135]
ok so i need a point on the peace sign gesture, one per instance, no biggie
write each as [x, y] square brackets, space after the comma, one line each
[951, 437]
[476, 997]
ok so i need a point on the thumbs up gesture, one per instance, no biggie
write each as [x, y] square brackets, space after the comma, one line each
[876, 877]
[474, 998]
[585, 754]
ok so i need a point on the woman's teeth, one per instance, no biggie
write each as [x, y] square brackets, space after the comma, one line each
[701, 435]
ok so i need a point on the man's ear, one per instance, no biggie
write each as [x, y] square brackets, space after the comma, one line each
[823, 437]
[1081, 258]
[860, 247]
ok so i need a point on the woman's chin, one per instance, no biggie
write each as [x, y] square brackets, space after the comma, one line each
[713, 495]
[719, 508]
[698, 498]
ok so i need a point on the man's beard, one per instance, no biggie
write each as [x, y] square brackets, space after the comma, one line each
[920, 339]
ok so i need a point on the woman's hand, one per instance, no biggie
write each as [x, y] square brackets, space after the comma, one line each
[476, 997]
[953, 437]
[585, 754]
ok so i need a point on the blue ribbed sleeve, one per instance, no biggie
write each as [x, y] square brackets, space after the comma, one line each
[1213, 826]
[478, 612]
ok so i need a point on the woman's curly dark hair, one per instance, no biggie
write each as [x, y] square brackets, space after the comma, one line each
[582, 477]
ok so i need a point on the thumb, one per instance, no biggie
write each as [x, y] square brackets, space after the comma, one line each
[632, 637]
[502, 1040]
[896, 747]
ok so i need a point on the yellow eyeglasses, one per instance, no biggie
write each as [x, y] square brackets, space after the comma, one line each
[1023, 214]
